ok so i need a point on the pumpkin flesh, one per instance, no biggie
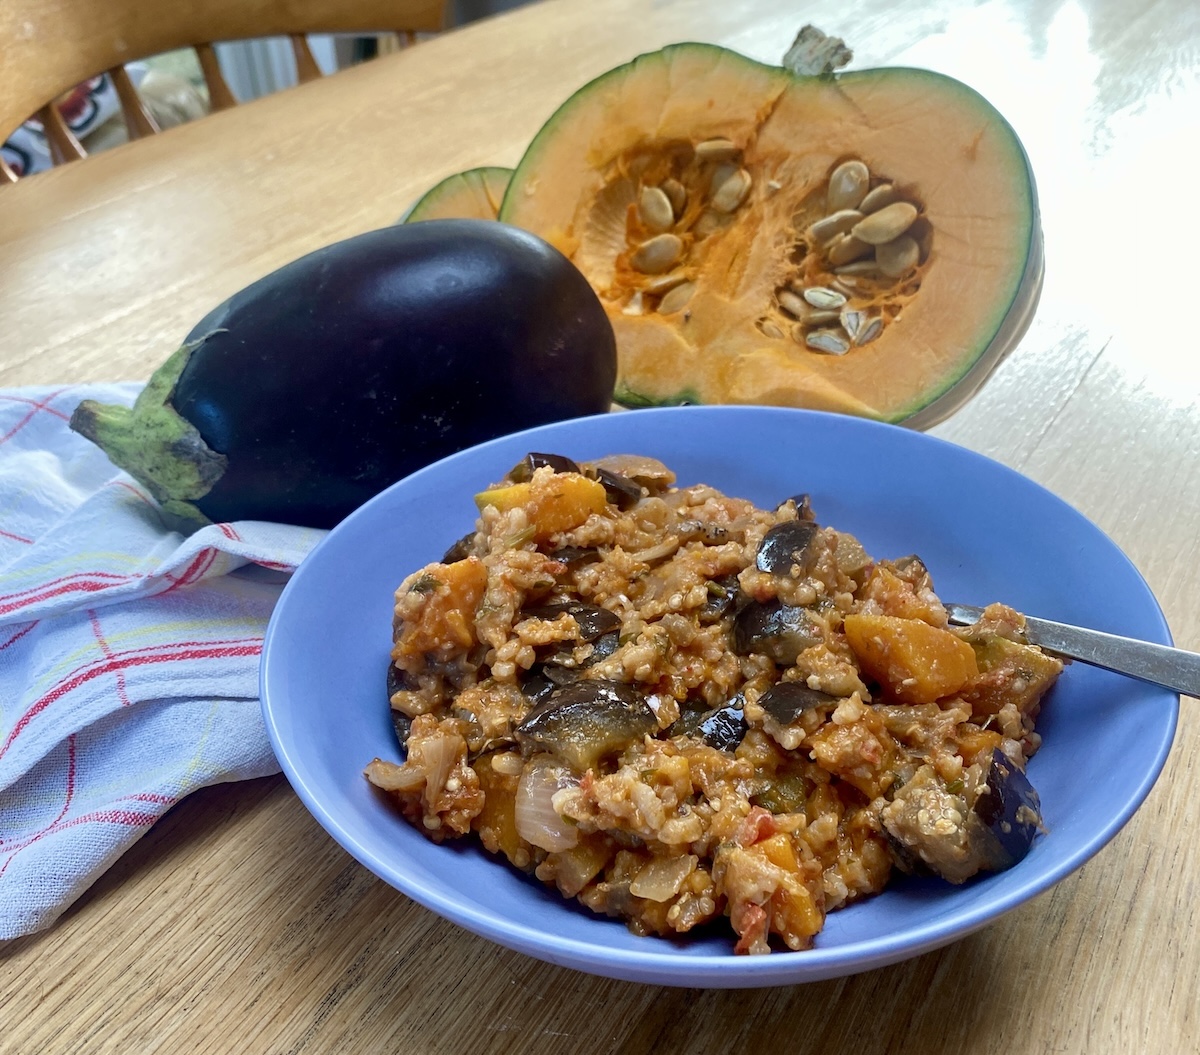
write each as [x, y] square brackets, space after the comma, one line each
[475, 194]
[724, 335]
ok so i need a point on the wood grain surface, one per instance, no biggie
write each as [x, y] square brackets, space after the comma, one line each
[237, 925]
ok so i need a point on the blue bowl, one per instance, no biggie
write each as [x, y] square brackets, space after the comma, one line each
[985, 532]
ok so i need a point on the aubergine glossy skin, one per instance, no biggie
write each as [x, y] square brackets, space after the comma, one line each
[326, 381]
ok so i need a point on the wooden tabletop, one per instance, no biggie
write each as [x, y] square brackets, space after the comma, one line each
[236, 924]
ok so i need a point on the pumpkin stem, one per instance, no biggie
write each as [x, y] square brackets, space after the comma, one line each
[813, 54]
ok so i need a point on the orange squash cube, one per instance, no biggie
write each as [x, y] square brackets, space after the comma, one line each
[554, 503]
[445, 623]
[913, 661]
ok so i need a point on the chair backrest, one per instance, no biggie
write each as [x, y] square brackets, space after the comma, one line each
[49, 46]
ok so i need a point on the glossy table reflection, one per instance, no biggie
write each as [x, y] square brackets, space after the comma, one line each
[237, 925]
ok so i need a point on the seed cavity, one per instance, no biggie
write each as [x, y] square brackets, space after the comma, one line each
[861, 252]
[859, 247]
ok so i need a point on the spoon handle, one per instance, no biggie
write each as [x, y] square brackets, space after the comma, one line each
[1172, 668]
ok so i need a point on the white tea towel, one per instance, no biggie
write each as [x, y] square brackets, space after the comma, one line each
[128, 654]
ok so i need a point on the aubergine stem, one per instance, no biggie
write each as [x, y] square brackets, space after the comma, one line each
[155, 444]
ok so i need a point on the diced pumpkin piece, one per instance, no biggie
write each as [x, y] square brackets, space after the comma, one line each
[795, 916]
[554, 503]
[780, 851]
[913, 661]
[444, 624]
[898, 597]
[496, 822]
[861, 752]
[1009, 672]
[975, 743]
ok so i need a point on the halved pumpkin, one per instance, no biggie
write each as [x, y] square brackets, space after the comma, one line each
[472, 195]
[866, 242]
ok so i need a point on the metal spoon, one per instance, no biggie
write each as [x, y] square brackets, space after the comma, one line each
[1172, 668]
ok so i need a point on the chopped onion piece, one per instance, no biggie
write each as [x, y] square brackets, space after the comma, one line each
[662, 878]
[536, 820]
[392, 777]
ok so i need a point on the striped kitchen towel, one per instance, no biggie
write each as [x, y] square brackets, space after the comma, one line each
[128, 654]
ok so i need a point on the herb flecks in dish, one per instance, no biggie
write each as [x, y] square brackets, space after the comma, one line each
[676, 707]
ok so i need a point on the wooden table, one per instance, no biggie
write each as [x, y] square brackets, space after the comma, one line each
[236, 924]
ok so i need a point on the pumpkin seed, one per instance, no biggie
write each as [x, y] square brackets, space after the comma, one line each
[769, 329]
[662, 283]
[654, 209]
[774, 187]
[633, 306]
[676, 193]
[847, 185]
[869, 331]
[636, 166]
[676, 299]
[720, 174]
[898, 256]
[707, 223]
[858, 267]
[732, 192]
[887, 224]
[826, 299]
[845, 249]
[829, 341]
[717, 149]
[878, 197]
[792, 304]
[799, 308]
[657, 254]
[852, 322]
[834, 224]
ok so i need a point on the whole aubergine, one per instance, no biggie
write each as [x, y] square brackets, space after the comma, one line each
[316, 387]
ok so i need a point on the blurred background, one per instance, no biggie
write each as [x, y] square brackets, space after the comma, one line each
[173, 89]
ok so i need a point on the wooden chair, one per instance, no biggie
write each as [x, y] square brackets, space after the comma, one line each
[49, 46]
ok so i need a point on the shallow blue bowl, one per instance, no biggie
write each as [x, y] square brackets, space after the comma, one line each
[985, 532]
